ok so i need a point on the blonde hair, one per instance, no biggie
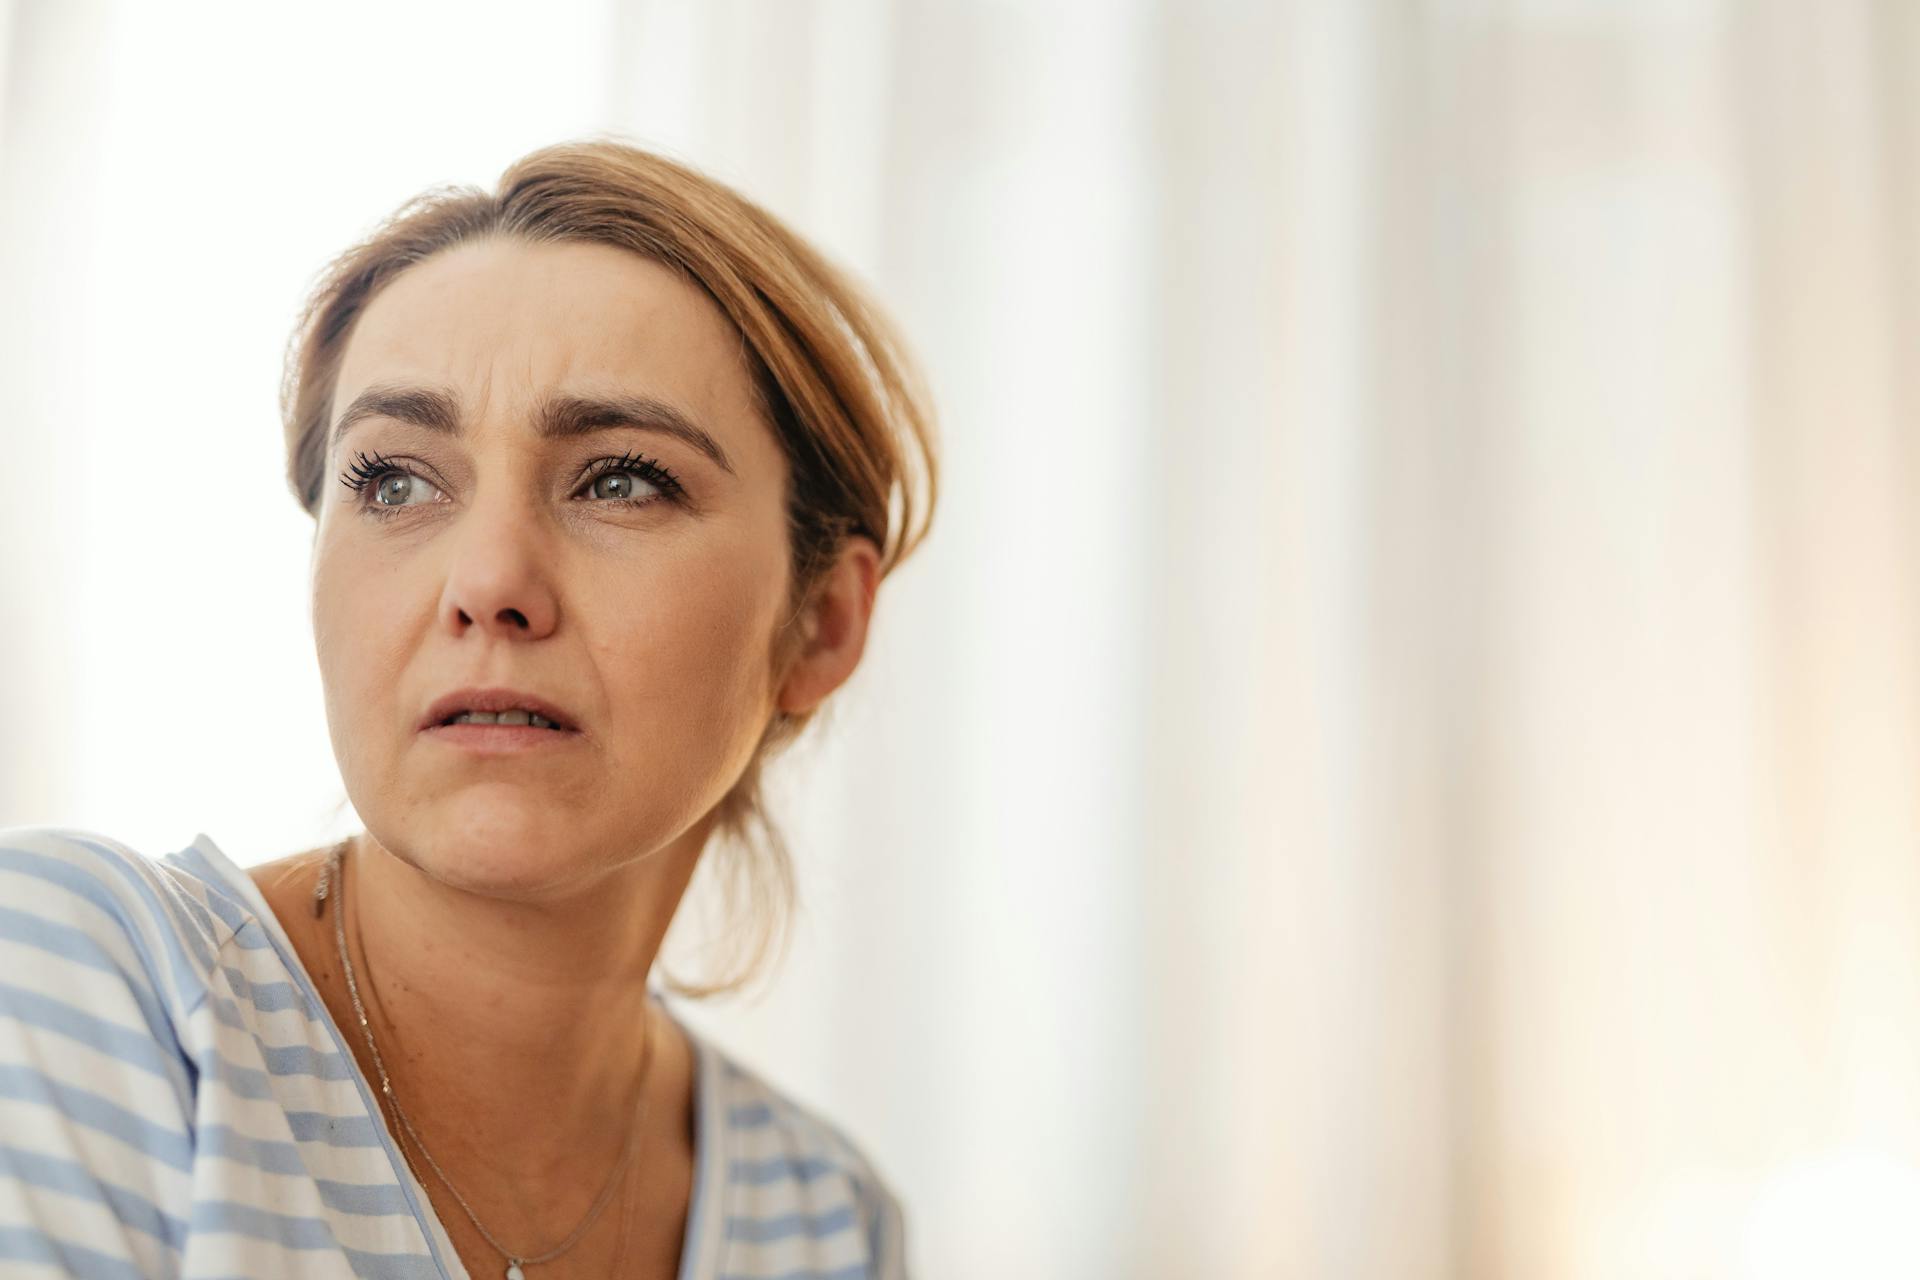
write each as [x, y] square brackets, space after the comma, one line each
[831, 374]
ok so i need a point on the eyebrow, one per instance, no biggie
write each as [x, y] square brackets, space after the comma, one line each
[558, 417]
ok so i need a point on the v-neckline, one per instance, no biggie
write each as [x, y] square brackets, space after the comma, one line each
[700, 1239]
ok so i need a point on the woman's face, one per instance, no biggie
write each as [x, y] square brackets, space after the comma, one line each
[527, 520]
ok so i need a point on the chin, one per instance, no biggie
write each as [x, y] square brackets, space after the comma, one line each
[501, 850]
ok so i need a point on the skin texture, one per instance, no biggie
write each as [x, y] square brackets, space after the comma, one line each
[504, 912]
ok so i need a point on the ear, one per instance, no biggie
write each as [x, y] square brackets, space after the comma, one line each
[833, 628]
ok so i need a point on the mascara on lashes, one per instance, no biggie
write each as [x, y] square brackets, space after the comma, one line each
[364, 471]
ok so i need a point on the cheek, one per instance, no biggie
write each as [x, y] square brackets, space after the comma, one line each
[358, 637]
[686, 660]
[694, 638]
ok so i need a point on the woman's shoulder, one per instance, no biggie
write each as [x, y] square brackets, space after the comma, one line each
[793, 1171]
[105, 963]
[79, 898]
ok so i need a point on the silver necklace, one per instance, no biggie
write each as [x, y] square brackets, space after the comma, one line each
[515, 1262]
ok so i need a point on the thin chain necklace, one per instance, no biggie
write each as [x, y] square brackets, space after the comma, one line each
[515, 1262]
[626, 1227]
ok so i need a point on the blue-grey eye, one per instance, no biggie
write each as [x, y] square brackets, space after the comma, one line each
[616, 485]
[402, 489]
[392, 485]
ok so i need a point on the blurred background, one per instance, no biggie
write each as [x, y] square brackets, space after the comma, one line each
[1399, 758]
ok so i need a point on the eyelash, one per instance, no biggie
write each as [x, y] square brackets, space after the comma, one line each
[365, 471]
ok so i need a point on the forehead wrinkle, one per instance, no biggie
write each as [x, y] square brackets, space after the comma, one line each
[557, 415]
[458, 329]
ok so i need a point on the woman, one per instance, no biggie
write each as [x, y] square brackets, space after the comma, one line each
[606, 467]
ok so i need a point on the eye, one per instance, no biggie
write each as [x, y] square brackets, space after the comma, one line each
[616, 484]
[391, 484]
[631, 480]
[400, 488]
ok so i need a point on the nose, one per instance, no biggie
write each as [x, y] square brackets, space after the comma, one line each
[498, 580]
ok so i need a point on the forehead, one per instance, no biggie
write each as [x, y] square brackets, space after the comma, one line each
[503, 322]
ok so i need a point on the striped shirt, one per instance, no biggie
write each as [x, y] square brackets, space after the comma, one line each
[175, 1100]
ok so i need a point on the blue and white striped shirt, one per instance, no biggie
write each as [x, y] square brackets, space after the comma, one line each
[175, 1100]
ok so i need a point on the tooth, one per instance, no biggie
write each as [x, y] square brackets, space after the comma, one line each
[474, 717]
[539, 722]
[513, 717]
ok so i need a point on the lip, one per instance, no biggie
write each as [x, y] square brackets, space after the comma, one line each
[498, 698]
[500, 739]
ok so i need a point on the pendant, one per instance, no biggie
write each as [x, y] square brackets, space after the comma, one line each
[320, 889]
[514, 1272]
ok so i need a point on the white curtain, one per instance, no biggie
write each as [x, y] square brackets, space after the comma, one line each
[1400, 756]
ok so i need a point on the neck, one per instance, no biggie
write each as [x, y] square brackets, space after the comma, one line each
[512, 1031]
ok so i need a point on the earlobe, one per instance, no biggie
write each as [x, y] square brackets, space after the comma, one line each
[834, 628]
